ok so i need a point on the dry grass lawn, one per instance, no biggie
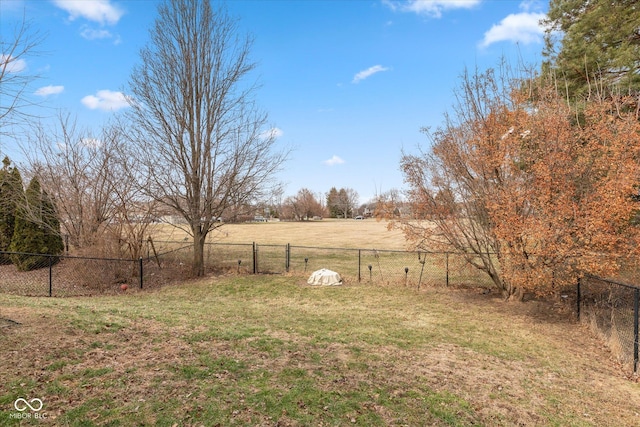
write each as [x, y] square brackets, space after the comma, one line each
[269, 351]
[332, 233]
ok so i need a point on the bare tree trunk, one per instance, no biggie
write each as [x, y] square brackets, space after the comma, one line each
[197, 268]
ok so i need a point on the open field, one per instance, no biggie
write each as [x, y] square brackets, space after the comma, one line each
[336, 233]
[267, 350]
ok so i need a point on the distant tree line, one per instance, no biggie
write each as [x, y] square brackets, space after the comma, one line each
[336, 203]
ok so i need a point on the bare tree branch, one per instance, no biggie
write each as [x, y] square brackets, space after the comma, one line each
[76, 169]
[15, 78]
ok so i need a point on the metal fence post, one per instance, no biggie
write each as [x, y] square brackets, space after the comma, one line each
[446, 262]
[141, 272]
[636, 298]
[422, 261]
[50, 275]
[255, 258]
[287, 260]
[359, 263]
[578, 296]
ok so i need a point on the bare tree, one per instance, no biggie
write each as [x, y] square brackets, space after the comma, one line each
[200, 139]
[14, 78]
[451, 185]
[87, 177]
[76, 170]
[302, 206]
[388, 204]
[133, 223]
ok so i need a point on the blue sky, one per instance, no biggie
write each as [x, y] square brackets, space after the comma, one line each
[347, 83]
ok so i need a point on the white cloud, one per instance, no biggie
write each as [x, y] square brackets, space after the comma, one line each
[93, 34]
[523, 27]
[335, 160]
[101, 11]
[368, 73]
[12, 65]
[106, 100]
[273, 133]
[431, 8]
[49, 90]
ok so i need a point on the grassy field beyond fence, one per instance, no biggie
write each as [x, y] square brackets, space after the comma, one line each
[267, 350]
[375, 266]
[332, 233]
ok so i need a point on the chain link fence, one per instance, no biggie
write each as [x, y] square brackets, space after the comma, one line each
[165, 262]
[389, 267]
[63, 275]
[610, 308]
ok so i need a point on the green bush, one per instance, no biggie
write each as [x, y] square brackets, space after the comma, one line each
[37, 230]
[11, 191]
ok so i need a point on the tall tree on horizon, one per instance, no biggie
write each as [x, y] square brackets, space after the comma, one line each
[342, 203]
